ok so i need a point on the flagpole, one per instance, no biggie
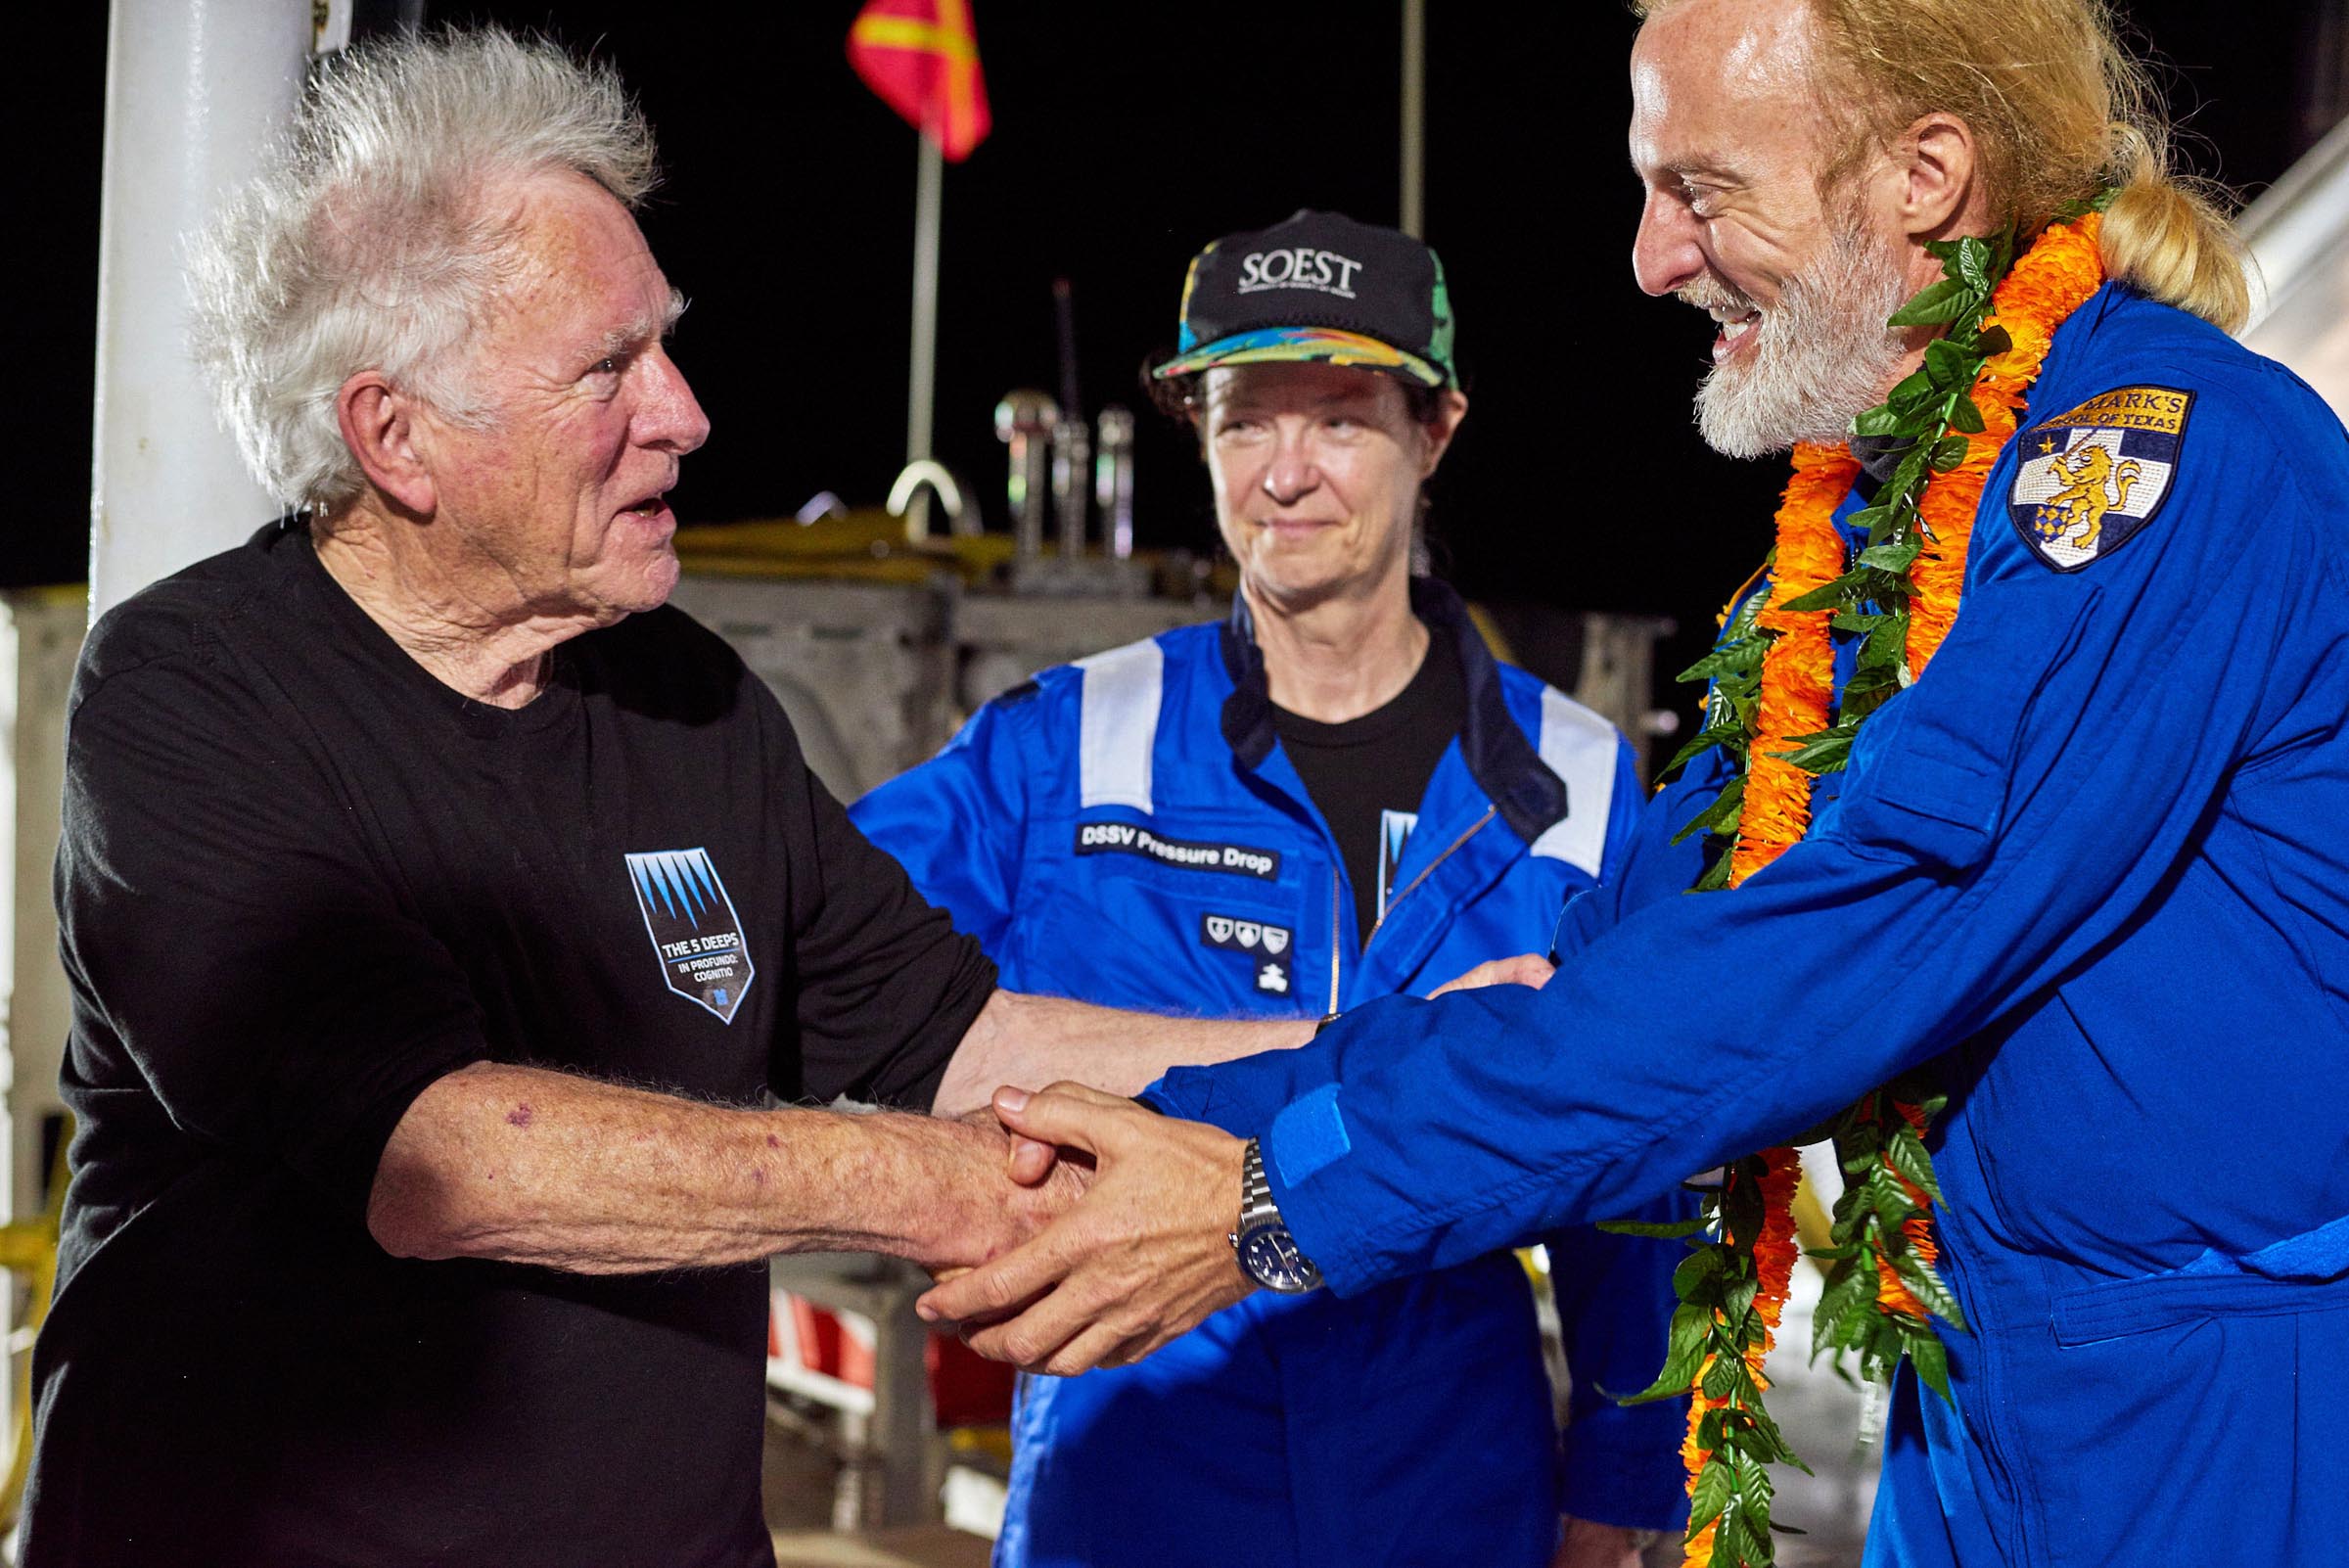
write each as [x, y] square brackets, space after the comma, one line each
[929, 191]
[1414, 118]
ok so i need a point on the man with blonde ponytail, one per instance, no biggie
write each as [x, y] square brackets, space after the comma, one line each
[2022, 777]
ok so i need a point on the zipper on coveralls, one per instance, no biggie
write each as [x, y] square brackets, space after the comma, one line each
[1336, 947]
[1430, 870]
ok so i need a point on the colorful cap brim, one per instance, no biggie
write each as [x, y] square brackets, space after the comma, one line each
[1269, 346]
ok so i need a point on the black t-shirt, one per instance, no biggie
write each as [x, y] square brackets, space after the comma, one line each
[1367, 775]
[300, 879]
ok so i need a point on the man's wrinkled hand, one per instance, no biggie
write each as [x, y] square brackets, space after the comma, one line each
[1525, 969]
[1144, 1256]
[1031, 1184]
[1027, 1162]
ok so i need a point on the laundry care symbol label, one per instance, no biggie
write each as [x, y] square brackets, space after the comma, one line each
[1234, 935]
[1269, 945]
[696, 934]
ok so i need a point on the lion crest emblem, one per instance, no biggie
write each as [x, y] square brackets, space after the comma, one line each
[2091, 478]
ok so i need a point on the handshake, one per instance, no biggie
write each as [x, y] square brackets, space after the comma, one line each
[1119, 1225]
[1128, 1215]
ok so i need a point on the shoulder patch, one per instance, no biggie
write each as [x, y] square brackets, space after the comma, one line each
[2091, 479]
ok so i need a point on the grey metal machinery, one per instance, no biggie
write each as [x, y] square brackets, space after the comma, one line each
[926, 476]
[1024, 423]
[1113, 479]
[1072, 458]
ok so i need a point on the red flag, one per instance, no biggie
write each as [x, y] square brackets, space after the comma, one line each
[923, 60]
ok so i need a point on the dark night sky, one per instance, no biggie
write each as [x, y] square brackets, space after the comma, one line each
[1126, 136]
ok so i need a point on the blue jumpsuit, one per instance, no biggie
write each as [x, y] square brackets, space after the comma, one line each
[1129, 831]
[2090, 866]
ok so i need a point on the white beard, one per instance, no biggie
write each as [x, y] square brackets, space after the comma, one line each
[1820, 356]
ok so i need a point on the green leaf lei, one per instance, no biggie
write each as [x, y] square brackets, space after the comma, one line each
[1716, 1339]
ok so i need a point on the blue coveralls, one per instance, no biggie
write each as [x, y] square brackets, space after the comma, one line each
[1129, 831]
[2091, 867]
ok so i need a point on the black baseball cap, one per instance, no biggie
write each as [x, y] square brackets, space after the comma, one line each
[1317, 286]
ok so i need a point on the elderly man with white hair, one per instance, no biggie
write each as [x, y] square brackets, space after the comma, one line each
[439, 910]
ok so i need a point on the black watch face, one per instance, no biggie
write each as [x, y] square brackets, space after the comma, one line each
[1270, 1255]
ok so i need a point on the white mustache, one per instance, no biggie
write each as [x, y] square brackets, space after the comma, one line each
[1709, 295]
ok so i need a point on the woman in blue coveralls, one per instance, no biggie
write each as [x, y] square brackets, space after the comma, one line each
[1336, 795]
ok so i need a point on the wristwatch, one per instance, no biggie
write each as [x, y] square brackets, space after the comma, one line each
[1268, 1252]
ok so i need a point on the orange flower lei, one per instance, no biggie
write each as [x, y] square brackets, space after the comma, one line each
[1795, 699]
[1893, 1294]
[2052, 280]
[1798, 673]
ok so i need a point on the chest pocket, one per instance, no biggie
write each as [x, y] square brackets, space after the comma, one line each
[1187, 917]
[1929, 775]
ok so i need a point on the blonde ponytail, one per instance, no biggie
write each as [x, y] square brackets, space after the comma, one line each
[2168, 237]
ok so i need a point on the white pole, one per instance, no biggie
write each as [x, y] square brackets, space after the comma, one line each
[922, 383]
[194, 88]
[1414, 118]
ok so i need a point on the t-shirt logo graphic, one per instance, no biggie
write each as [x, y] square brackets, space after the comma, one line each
[696, 934]
[1394, 833]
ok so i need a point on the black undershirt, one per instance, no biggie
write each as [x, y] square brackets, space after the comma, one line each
[1878, 456]
[1360, 770]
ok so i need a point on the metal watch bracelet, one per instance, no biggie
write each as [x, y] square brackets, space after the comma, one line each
[1284, 1269]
